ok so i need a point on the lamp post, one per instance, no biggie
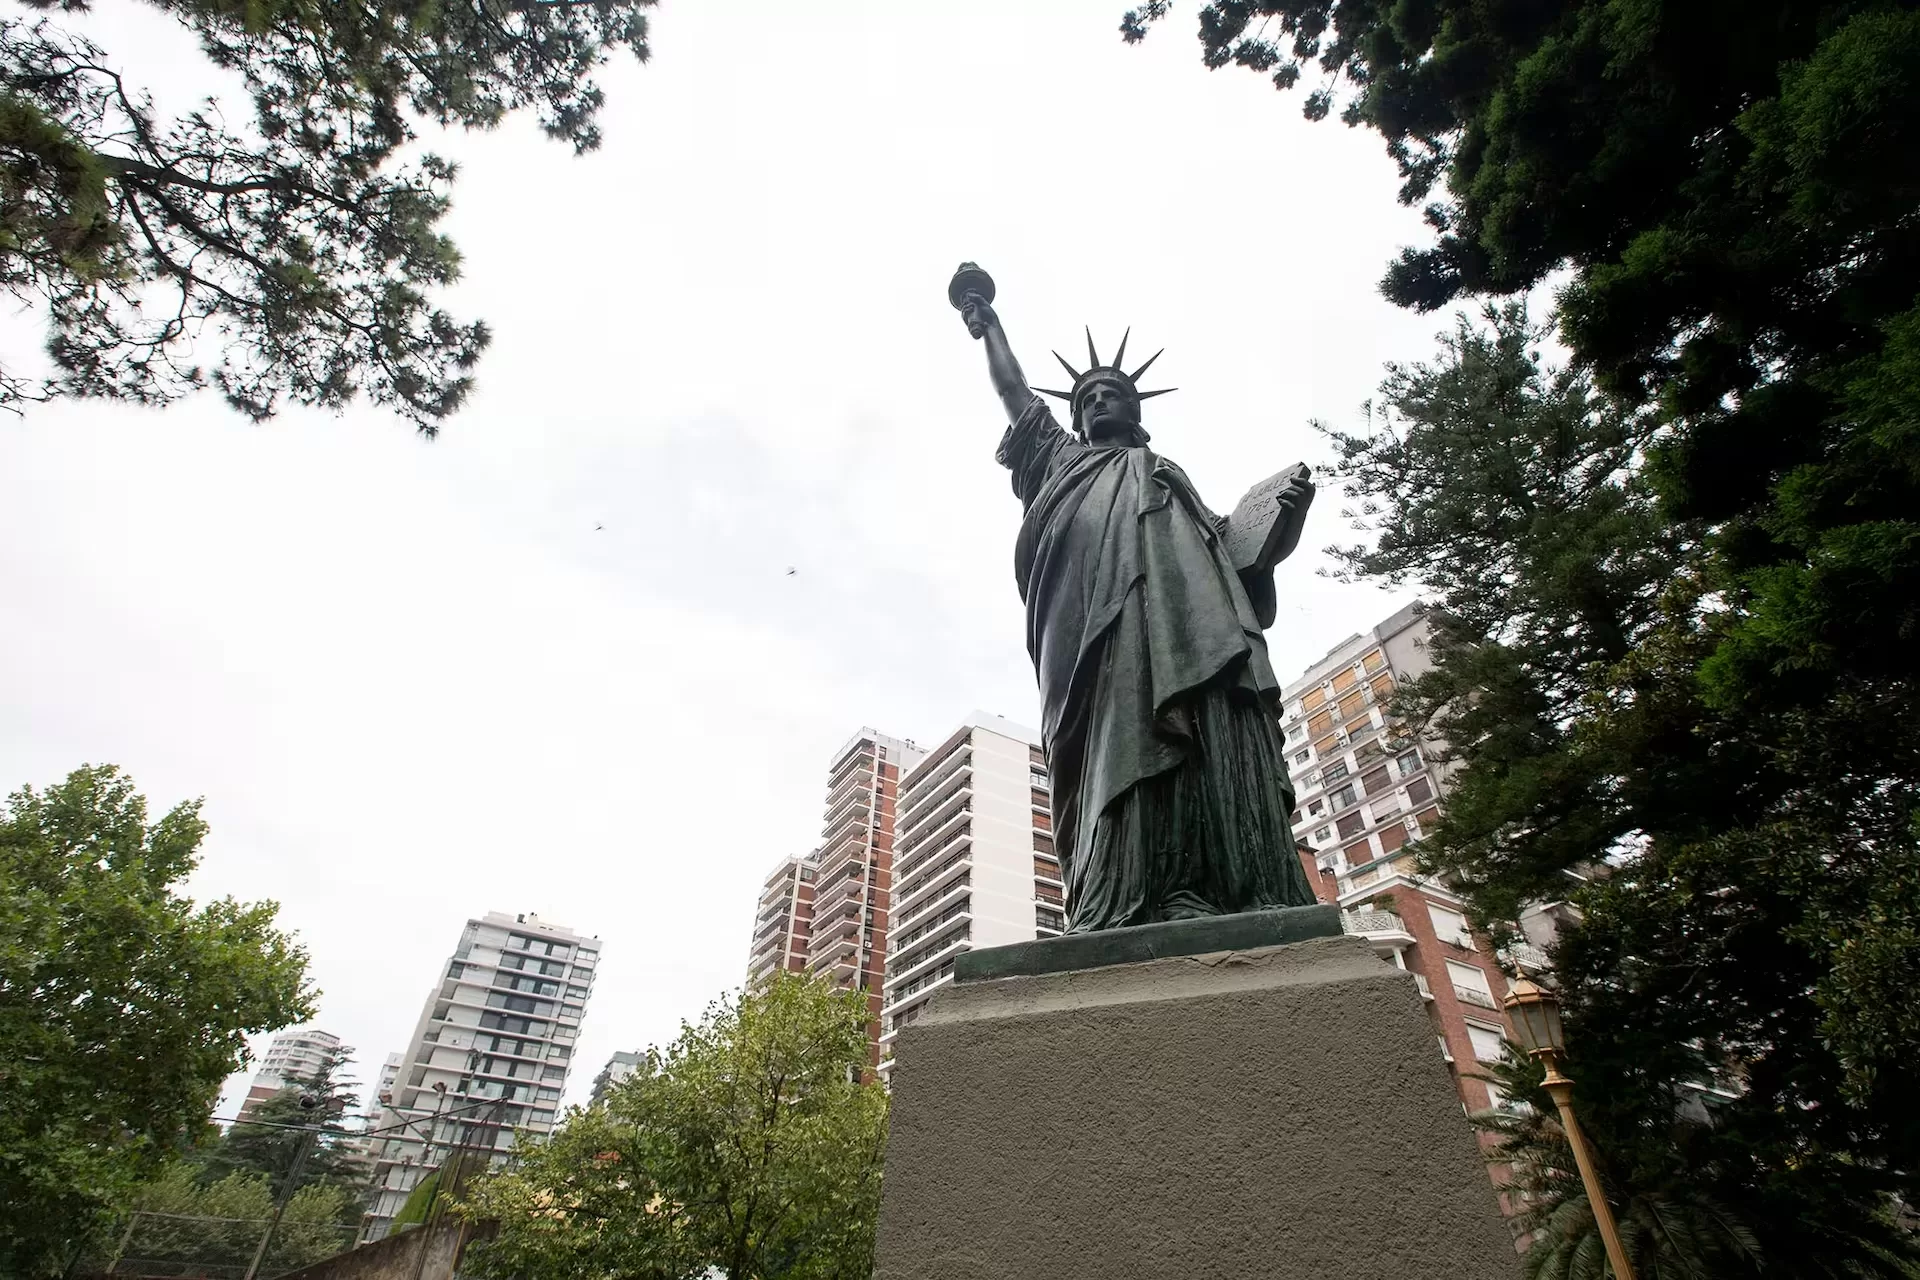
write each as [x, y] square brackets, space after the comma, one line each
[1535, 1012]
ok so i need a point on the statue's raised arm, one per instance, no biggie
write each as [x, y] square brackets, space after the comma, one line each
[971, 292]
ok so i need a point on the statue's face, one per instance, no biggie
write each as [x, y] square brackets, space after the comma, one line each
[1109, 414]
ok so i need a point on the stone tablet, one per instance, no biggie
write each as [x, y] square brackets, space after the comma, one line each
[1260, 533]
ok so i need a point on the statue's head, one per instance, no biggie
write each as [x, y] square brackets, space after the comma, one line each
[1107, 411]
[1106, 399]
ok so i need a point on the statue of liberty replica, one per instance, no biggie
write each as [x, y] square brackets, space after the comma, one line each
[1145, 614]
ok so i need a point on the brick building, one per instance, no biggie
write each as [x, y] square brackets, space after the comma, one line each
[1363, 792]
[783, 925]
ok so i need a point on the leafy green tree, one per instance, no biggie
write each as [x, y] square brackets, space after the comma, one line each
[186, 1222]
[1746, 881]
[299, 248]
[749, 1145]
[123, 1005]
[1729, 190]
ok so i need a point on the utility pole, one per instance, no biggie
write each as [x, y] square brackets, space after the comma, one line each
[307, 1142]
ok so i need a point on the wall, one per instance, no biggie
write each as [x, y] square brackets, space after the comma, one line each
[399, 1257]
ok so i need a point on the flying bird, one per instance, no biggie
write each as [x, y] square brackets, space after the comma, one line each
[791, 571]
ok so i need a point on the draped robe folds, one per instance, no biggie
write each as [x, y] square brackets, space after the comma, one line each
[1169, 781]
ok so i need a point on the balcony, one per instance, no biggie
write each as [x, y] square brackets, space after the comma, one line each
[908, 902]
[928, 822]
[1527, 958]
[1381, 928]
[944, 947]
[906, 917]
[931, 789]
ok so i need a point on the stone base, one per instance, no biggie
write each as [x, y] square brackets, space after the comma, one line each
[1275, 1112]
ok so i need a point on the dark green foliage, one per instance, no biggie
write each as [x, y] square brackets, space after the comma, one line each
[300, 248]
[1745, 874]
[1731, 188]
[267, 1144]
[750, 1147]
[123, 1006]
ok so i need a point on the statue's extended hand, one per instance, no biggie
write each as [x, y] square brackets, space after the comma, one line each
[978, 313]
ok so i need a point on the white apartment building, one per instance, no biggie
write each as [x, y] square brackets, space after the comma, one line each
[490, 1056]
[293, 1057]
[973, 862]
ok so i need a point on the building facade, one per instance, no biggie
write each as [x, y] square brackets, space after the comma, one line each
[1363, 791]
[974, 863]
[853, 868]
[294, 1057]
[618, 1068]
[783, 923]
[490, 1056]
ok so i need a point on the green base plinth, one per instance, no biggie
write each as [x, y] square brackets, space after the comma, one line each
[1148, 942]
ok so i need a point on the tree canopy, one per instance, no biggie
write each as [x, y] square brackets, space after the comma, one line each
[123, 1005]
[1745, 879]
[289, 257]
[1729, 190]
[749, 1145]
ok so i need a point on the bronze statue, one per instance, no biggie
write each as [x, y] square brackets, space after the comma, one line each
[1144, 618]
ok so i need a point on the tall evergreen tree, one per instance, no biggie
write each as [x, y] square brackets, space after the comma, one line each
[1729, 188]
[297, 251]
[1746, 880]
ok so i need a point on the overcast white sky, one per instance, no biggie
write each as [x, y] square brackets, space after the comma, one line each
[414, 682]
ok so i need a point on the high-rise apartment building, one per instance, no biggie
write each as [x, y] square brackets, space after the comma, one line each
[783, 924]
[853, 867]
[618, 1068]
[1363, 791]
[490, 1056]
[293, 1058]
[974, 864]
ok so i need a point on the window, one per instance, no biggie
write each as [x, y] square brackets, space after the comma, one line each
[1312, 700]
[1470, 984]
[1320, 723]
[1375, 781]
[554, 1073]
[1301, 757]
[1486, 1042]
[1352, 705]
[1344, 798]
[1408, 763]
[1321, 834]
[1334, 772]
[1296, 733]
[1374, 661]
[1449, 926]
[1316, 807]
[576, 993]
[1351, 824]
[1419, 791]
[1392, 836]
[548, 1095]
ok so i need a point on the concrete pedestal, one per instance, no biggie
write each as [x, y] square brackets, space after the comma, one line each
[1280, 1111]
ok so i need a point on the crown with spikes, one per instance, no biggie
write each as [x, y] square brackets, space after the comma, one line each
[1098, 372]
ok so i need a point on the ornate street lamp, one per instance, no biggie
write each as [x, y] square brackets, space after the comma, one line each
[1535, 1012]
